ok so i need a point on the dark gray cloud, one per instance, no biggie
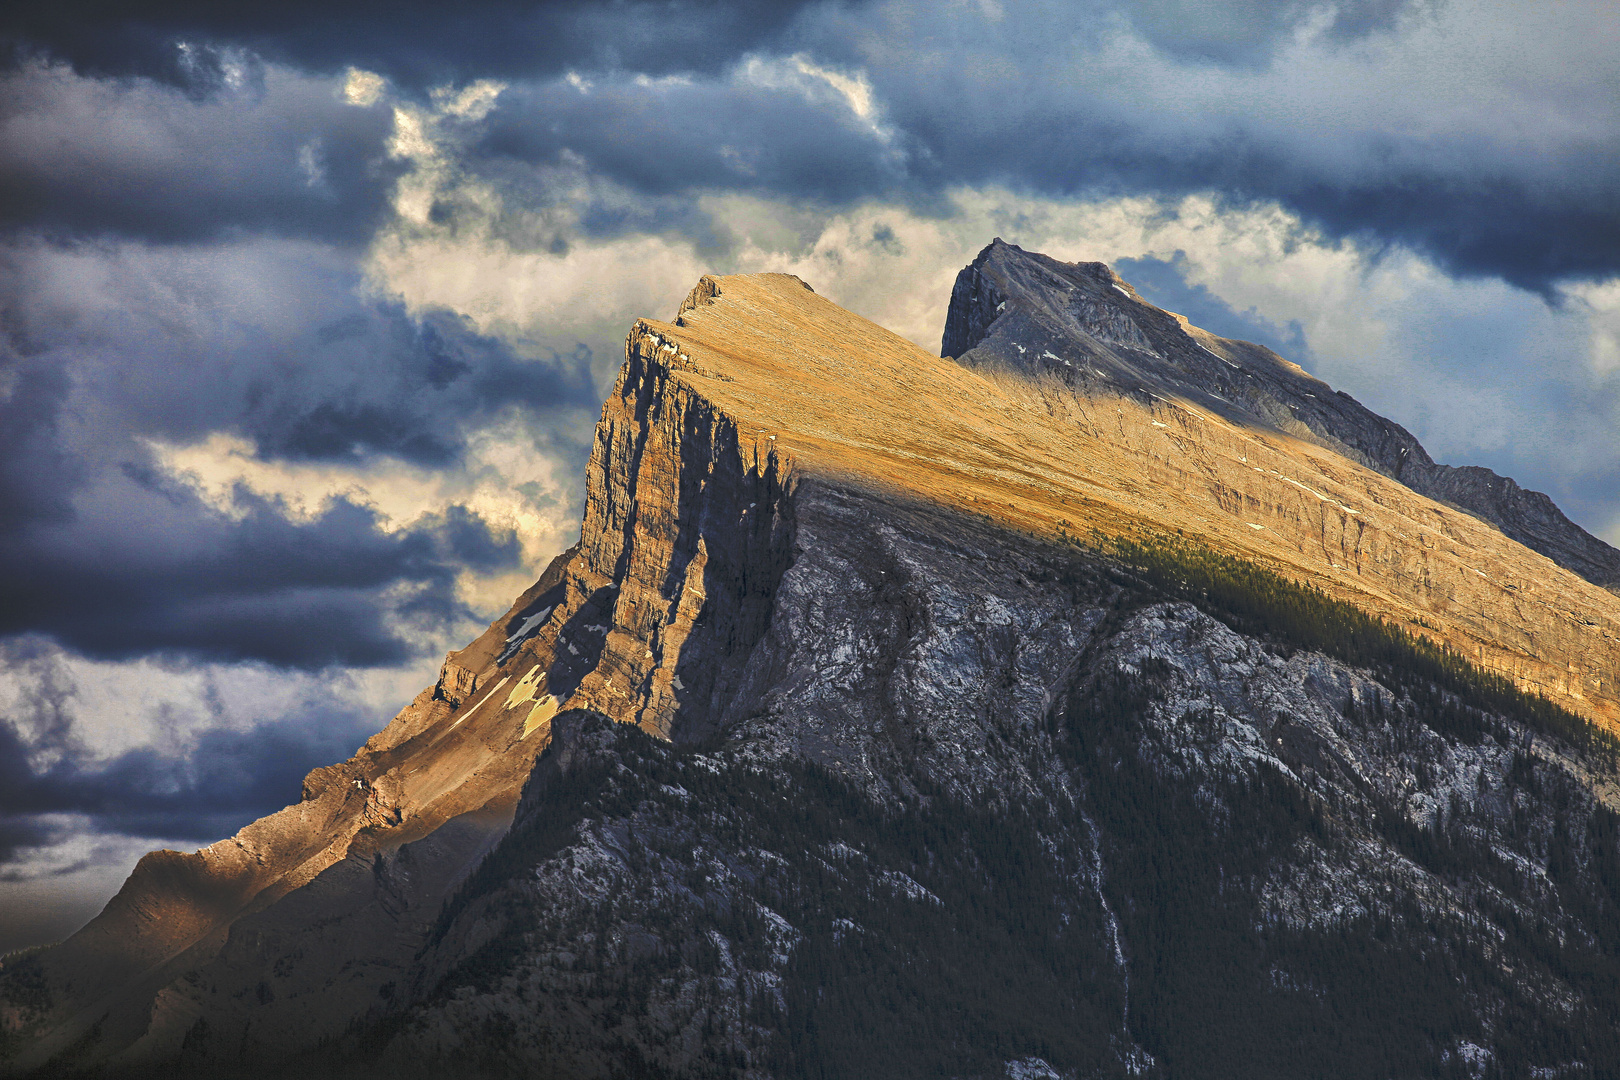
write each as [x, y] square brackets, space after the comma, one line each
[37, 474]
[418, 43]
[1199, 97]
[181, 579]
[19, 832]
[1532, 232]
[1248, 34]
[277, 344]
[675, 137]
[468, 538]
[114, 559]
[379, 381]
[220, 782]
[1504, 213]
[278, 153]
[1053, 105]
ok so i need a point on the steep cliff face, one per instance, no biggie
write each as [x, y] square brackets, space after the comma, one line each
[839, 397]
[1084, 324]
[686, 520]
[987, 803]
[991, 722]
[649, 618]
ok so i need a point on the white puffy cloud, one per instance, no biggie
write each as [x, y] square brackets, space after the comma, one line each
[503, 477]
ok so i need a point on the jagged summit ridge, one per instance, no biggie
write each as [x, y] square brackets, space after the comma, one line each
[1082, 323]
[996, 435]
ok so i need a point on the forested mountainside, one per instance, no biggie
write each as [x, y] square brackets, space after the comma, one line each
[902, 717]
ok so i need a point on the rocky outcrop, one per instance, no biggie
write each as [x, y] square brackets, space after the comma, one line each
[985, 800]
[1084, 324]
[687, 518]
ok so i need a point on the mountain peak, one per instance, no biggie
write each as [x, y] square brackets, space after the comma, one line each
[1086, 327]
[1093, 329]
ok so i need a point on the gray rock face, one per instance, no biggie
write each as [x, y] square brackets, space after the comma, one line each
[981, 802]
[1084, 324]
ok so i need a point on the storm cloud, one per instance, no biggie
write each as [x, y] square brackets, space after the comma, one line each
[1443, 127]
[260, 588]
[419, 43]
[108, 354]
[208, 790]
[275, 153]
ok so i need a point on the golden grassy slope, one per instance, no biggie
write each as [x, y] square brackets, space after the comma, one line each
[844, 397]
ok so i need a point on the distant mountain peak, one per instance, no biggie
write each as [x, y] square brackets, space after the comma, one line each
[1082, 324]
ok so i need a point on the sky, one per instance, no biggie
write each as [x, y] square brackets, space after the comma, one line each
[307, 310]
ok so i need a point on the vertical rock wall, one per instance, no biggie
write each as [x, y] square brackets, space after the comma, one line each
[688, 527]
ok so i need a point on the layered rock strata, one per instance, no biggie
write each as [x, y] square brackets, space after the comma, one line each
[831, 394]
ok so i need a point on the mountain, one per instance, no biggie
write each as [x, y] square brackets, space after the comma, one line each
[1011, 307]
[1055, 710]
